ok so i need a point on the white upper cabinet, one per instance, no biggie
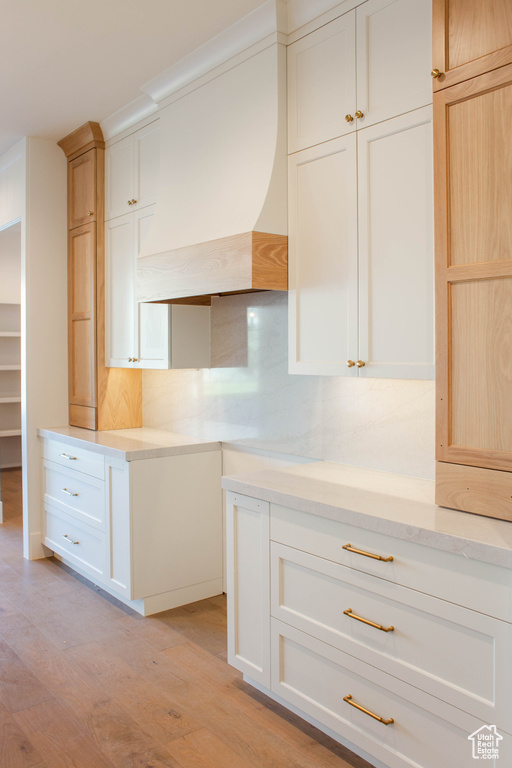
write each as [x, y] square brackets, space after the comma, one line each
[369, 65]
[132, 171]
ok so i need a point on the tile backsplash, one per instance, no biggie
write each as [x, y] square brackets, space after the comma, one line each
[249, 398]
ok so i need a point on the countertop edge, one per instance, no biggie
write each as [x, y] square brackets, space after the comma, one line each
[472, 549]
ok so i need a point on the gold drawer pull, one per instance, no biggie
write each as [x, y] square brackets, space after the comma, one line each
[348, 699]
[67, 456]
[350, 548]
[68, 538]
[352, 615]
[69, 493]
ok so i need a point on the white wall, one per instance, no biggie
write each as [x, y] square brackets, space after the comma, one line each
[10, 264]
[252, 400]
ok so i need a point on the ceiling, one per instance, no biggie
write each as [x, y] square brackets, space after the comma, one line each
[64, 62]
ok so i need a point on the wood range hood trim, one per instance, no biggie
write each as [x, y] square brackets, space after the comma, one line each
[250, 261]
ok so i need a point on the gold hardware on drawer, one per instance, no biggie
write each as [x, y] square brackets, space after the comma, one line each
[348, 699]
[349, 118]
[350, 363]
[352, 615]
[350, 548]
[68, 538]
[436, 73]
[360, 364]
[358, 114]
[68, 493]
[67, 456]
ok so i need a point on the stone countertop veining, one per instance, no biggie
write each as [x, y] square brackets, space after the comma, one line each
[394, 505]
[130, 444]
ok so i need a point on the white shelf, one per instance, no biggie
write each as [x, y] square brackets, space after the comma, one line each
[10, 367]
[10, 398]
[10, 334]
[10, 432]
[11, 465]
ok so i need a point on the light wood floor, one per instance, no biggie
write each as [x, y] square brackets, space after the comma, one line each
[87, 683]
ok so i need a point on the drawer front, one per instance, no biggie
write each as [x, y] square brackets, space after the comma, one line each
[473, 584]
[451, 652]
[425, 732]
[86, 549]
[79, 495]
[78, 459]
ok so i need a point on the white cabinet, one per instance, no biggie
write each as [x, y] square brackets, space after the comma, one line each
[397, 648]
[131, 171]
[361, 243]
[147, 530]
[387, 43]
[10, 386]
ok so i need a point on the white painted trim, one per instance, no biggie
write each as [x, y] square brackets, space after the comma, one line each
[251, 29]
[136, 114]
[1, 512]
[16, 152]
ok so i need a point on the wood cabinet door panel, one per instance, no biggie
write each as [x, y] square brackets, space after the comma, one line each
[82, 315]
[82, 207]
[323, 259]
[470, 37]
[393, 58]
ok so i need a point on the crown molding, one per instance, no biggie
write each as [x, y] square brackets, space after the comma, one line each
[137, 110]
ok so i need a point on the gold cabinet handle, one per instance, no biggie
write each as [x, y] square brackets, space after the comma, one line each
[358, 114]
[90, 213]
[68, 538]
[135, 359]
[360, 364]
[348, 699]
[130, 359]
[436, 73]
[352, 615]
[350, 363]
[68, 493]
[132, 202]
[350, 548]
[67, 456]
[349, 118]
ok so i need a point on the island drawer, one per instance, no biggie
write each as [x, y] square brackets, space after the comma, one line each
[83, 547]
[81, 496]
[423, 640]
[78, 459]
[446, 575]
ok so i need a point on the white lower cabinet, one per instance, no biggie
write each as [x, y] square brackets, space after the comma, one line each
[397, 649]
[148, 531]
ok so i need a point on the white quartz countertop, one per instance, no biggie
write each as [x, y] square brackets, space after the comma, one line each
[395, 505]
[130, 444]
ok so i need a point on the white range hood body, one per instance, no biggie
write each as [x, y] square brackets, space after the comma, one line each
[223, 167]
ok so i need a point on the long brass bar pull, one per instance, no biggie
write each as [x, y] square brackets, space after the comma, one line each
[67, 456]
[350, 548]
[348, 699]
[352, 615]
[68, 493]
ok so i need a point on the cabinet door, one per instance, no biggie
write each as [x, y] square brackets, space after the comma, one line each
[152, 320]
[473, 169]
[248, 569]
[470, 38]
[322, 243]
[82, 189]
[321, 84]
[146, 157]
[132, 172]
[393, 58]
[120, 293]
[119, 181]
[396, 249]
[82, 315]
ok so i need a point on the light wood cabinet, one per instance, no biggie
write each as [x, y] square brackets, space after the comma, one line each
[98, 399]
[406, 633]
[469, 39]
[473, 197]
[361, 243]
[132, 171]
[368, 65]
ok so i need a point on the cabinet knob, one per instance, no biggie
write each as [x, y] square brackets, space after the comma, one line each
[350, 363]
[358, 114]
[360, 363]
[436, 73]
[135, 359]
[90, 213]
[349, 118]
[132, 202]
[130, 359]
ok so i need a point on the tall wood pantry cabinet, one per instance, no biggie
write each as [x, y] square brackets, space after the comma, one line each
[473, 200]
[360, 194]
[99, 398]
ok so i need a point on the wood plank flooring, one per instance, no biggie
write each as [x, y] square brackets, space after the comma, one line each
[87, 683]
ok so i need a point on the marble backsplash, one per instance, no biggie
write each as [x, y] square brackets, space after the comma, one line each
[249, 398]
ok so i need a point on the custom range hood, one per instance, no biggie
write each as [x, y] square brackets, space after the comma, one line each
[221, 216]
